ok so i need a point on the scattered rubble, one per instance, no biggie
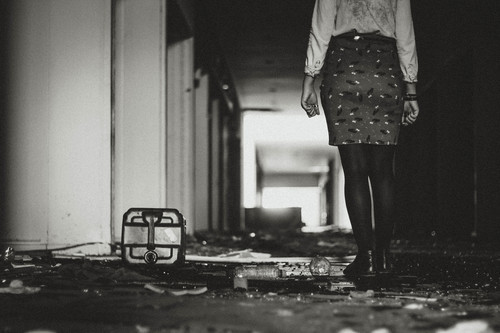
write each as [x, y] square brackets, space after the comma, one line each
[452, 292]
[473, 326]
[17, 287]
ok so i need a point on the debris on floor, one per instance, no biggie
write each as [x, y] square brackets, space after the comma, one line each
[254, 283]
[17, 287]
[473, 326]
[175, 292]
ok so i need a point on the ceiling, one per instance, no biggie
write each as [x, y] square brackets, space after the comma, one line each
[264, 42]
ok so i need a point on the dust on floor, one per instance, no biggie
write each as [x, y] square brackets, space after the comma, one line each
[457, 290]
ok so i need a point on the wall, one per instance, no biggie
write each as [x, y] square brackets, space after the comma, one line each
[56, 123]
[448, 161]
[140, 169]
[97, 116]
[202, 153]
[180, 127]
[487, 119]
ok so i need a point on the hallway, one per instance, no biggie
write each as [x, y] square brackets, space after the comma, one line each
[194, 105]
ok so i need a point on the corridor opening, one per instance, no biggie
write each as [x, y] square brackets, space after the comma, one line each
[287, 163]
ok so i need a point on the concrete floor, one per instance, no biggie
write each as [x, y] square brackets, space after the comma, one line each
[458, 290]
[219, 311]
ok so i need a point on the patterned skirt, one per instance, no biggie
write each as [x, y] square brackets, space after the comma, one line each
[361, 90]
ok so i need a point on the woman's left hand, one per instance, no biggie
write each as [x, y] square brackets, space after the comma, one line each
[410, 112]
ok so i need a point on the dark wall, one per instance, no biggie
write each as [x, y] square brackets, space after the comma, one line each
[448, 162]
[210, 59]
[486, 55]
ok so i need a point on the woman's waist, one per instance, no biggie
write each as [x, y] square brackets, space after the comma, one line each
[354, 35]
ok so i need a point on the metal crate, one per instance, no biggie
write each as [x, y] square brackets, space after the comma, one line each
[153, 236]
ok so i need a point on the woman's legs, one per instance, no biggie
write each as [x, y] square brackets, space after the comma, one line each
[355, 162]
[382, 181]
[363, 164]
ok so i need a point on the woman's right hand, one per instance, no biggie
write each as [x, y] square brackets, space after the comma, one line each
[411, 109]
[309, 99]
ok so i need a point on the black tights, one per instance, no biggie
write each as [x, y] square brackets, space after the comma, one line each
[364, 165]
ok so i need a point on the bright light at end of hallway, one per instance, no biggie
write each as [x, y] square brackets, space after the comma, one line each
[306, 198]
[261, 127]
[275, 128]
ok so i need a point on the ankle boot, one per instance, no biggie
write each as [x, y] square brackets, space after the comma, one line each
[383, 261]
[363, 264]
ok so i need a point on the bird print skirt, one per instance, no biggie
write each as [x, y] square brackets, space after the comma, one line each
[361, 90]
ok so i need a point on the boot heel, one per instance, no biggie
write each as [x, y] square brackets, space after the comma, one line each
[383, 261]
[363, 264]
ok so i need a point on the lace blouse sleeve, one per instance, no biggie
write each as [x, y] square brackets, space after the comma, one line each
[322, 25]
[405, 38]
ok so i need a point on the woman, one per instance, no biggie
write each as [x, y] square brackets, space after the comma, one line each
[366, 50]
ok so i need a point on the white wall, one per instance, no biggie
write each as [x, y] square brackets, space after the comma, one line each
[58, 112]
[180, 129]
[65, 180]
[140, 112]
[202, 153]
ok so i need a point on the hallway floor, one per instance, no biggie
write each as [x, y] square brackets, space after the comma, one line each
[457, 290]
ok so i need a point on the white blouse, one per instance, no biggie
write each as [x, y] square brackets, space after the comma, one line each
[392, 18]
